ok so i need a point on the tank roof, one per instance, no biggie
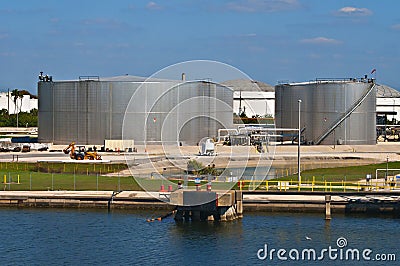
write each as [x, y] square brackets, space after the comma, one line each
[383, 91]
[130, 78]
[326, 81]
[248, 85]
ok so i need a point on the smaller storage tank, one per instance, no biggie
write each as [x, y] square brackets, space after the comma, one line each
[332, 111]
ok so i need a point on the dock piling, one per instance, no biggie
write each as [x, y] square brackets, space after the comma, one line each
[328, 207]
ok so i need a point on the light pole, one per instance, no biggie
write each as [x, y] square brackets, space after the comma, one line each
[387, 168]
[298, 147]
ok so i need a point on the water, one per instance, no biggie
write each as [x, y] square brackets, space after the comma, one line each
[95, 237]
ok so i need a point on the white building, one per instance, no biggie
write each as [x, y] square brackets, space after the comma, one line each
[388, 103]
[252, 97]
[7, 102]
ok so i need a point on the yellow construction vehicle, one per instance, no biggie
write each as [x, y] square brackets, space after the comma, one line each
[80, 153]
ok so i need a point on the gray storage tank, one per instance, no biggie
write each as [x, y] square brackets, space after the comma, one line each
[332, 111]
[88, 111]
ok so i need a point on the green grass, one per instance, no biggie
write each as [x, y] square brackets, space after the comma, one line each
[71, 168]
[348, 173]
[76, 176]
[64, 176]
[48, 181]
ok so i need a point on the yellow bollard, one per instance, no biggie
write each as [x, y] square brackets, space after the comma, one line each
[312, 186]
[18, 179]
[299, 182]
[266, 185]
[5, 179]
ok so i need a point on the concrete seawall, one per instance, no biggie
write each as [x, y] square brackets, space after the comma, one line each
[367, 202]
[84, 199]
[340, 202]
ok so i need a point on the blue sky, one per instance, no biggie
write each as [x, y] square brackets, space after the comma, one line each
[270, 40]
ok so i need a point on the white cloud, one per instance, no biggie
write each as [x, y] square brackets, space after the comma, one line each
[354, 11]
[396, 27]
[79, 44]
[244, 35]
[153, 6]
[320, 40]
[253, 6]
[104, 23]
[98, 21]
[314, 56]
[256, 49]
[54, 20]
[118, 45]
[7, 54]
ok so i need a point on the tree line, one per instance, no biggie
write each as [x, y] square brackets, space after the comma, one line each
[19, 119]
[25, 119]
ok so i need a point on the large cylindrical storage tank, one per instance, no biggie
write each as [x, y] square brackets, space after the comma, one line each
[91, 111]
[87, 112]
[287, 105]
[332, 111]
[189, 112]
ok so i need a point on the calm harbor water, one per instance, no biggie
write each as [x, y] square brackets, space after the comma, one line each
[95, 237]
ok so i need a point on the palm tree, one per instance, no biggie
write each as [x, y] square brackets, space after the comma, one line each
[16, 94]
[21, 97]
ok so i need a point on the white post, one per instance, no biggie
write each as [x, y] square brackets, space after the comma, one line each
[298, 147]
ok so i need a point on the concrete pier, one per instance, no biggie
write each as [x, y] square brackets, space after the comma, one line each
[207, 205]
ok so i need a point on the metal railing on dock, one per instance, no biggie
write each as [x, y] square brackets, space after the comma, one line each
[313, 185]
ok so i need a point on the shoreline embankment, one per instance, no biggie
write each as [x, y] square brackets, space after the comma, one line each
[375, 202]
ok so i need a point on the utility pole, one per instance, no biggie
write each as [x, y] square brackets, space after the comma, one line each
[387, 168]
[298, 147]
